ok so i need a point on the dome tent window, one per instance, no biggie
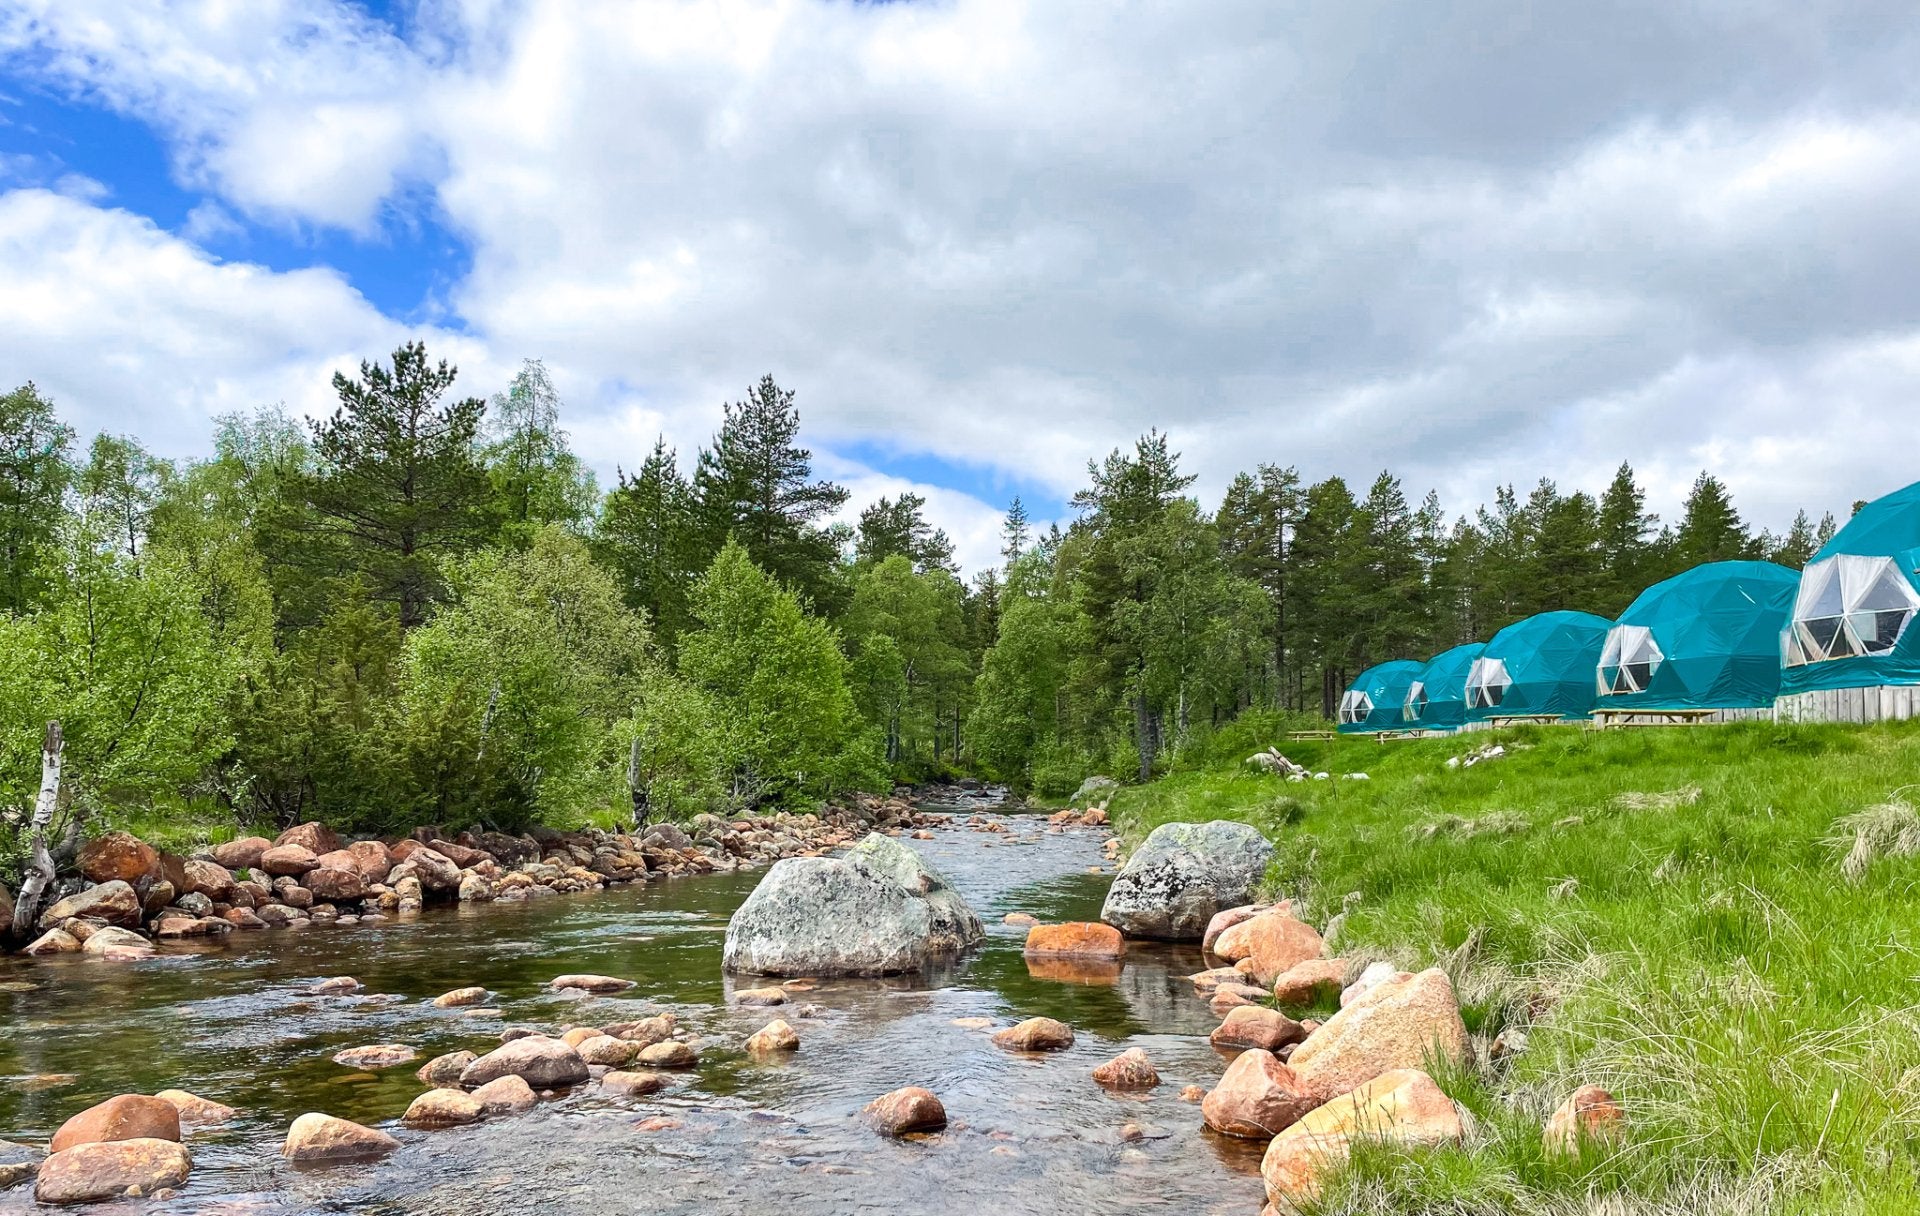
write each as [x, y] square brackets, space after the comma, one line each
[1849, 605]
[1629, 660]
[1416, 701]
[1487, 683]
[1355, 706]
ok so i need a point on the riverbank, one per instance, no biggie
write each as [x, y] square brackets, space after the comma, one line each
[124, 896]
[1715, 924]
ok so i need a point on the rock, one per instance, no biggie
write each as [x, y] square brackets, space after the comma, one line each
[1375, 974]
[195, 1111]
[101, 1170]
[646, 1031]
[114, 902]
[317, 1137]
[1228, 997]
[590, 983]
[607, 1050]
[208, 878]
[1019, 918]
[541, 1062]
[1192, 1093]
[1093, 789]
[339, 985]
[1206, 981]
[1402, 1107]
[125, 1117]
[1226, 919]
[1395, 1026]
[53, 941]
[508, 1095]
[773, 1038]
[443, 1108]
[336, 886]
[1182, 876]
[313, 837]
[657, 1123]
[435, 871]
[670, 1054]
[633, 1084]
[1258, 1097]
[1255, 1026]
[1588, 1116]
[473, 889]
[378, 1055]
[1035, 1034]
[371, 858]
[906, 1110]
[1131, 1069]
[1310, 982]
[242, 854]
[121, 945]
[1079, 939]
[460, 997]
[118, 857]
[444, 1071]
[880, 910]
[1269, 944]
[289, 860]
[760, 997]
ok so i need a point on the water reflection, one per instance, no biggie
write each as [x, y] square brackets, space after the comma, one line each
[235, 1024]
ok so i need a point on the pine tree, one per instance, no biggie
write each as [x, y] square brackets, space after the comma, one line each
[1626, 531]
[757, 486]
[399, 486]
[34, 475]
[646, 537]
[1797, 546]
[897, 525]
[1016, 532]
[1710, 528]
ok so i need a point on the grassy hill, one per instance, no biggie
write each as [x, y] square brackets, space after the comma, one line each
[1719, 924]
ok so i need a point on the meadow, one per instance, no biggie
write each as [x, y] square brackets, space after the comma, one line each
[1715, 923]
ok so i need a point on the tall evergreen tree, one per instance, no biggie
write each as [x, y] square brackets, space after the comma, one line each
[399, 487]
[756, 485]
[646, 536]
[1710, 528]
[1626, 534]
[898, 526]
[34, 474]
[1797, 546]
[1016, 532]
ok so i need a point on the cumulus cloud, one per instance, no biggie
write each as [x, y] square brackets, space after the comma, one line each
[1468, 242]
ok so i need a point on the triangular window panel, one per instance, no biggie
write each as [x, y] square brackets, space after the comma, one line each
[1850, 605]
[1416, 703]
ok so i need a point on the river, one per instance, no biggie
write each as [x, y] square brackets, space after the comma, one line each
[233, 1022]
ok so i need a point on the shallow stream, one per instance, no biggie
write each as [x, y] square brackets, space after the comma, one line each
[233, 1022]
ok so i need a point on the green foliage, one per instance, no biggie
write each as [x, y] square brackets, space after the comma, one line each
[537, 480]
[648, 537]
[896, 526]
[34, 475]
[778, 679]
[911, 669]
[399, 487]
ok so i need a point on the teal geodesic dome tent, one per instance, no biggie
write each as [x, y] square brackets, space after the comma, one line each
[1374, 701]
[1856, 599]
[1705, 639]
[1437, 698]
[1542, 665]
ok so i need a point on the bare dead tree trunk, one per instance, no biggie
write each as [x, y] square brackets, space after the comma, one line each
[486, 723]
[26, 909]
[635, 790]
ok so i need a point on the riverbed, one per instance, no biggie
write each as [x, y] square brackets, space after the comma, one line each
[233, 1022]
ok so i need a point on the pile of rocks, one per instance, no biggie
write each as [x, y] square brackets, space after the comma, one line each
[309, 875]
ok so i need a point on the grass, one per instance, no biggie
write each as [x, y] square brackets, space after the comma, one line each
[1719, 924]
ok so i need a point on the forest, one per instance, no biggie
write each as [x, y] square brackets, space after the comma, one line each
[422, 608]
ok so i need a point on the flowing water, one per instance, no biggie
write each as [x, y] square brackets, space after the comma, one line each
[232, 1022]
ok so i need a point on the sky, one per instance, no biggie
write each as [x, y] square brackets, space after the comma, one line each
[987, 240]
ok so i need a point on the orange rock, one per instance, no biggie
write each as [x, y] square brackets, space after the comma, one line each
[1035, 1034]
[314, 837]
[291, 860]
[317, 1137]
[119, 855]
[1257, 1097]
[580, 1034]
[90, 1173]
[1265, 946]
[1078, 939]
[1588, 1116]
[1313, 981]
[443, 1108]
[1192, 1093]
[657, 1123]
[1402, 1107]
[505, 1095]
[195, 1111]
[1131, 1069]
[773, 1038]
[1224, 920]
[242, 854]
[1065, 969]
[1257, 1026]
[1394, 1026]
[126, 1117]
[633, 1084]
[906, 1110]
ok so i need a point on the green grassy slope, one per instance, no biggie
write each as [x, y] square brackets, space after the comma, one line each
[1666, 912]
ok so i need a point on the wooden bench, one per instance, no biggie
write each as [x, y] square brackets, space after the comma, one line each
[1607, 719]
[1499, 720]
[1314, 734]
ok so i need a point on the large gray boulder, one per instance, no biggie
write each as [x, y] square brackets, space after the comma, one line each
[878, 910]
[1093, 789]
[1183, 874]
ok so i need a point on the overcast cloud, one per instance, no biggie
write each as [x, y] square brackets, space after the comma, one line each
[1472, 243]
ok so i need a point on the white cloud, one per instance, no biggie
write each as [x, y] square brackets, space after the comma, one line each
[1440, 239]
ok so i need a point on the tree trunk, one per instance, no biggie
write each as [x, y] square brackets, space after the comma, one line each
[635, 790]
[39, 874]
[1143, 736]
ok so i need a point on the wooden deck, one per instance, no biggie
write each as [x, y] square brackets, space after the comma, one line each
[1610, 719]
